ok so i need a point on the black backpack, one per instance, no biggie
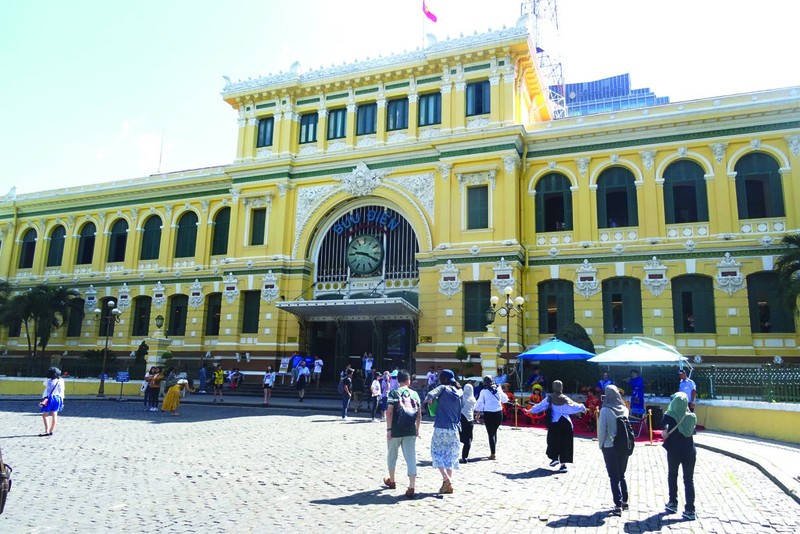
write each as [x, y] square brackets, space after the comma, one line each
[5, 482]
[625, 440]
[405, 416]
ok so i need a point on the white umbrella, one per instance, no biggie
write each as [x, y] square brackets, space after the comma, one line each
[637, 352]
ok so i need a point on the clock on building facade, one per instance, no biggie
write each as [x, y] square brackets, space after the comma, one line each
[364, 254]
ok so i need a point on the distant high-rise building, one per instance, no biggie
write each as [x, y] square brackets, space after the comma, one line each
[608, 94]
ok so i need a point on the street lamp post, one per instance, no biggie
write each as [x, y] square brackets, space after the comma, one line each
[109, 320]
[508, 309]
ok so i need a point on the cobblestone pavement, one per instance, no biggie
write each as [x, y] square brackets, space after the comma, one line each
[115, 467]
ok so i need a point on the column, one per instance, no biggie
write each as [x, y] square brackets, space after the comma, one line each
[447, 105]
[413, 115]
[240, 155]
[352, 118]
[459, 106]
[322, 130]
[277, 134]
[650, 199]
[718, 186]
[495, 100]
[380, 134]
[249, 149]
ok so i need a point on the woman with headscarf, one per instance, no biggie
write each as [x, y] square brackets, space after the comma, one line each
[445, 442]
[490, 408]
[679, 424]
[616, 461]
[467, 418]
[559, 426]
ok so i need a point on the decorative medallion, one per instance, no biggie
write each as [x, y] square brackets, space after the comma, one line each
[361, 181]
[230, 288]
[503, 275]
[124, 298]
[269, 287]
[91, 298]
[159, 295]
[449, 283]
[587, 283]
[196, 294]
[729, 275]
[655, 278]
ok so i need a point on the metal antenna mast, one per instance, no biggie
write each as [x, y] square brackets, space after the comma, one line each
[542, 21]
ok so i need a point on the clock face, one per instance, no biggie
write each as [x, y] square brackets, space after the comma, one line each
[364, 254]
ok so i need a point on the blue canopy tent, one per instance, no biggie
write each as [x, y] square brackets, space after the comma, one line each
[553, 350]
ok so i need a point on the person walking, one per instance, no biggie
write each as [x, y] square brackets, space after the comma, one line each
[52, 399]
[219, 381]
[467, 422]
[616, 461]
[301, 380]
[403, 417]
[385, 381]
[269, 383]
[347, 392]
[318, 364]
[490, 408]
[375, 394]
[445, 442]
[679, 425]
[559, 424]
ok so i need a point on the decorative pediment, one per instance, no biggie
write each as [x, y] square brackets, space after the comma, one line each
[449, 283]
[196, 294]
[655, 278]
[476, 178]
[90, 298]
[269, 287]
[123, 298]
[503, 275]
[230, 288]
[361, 181]
[729, 275]
[587, 283]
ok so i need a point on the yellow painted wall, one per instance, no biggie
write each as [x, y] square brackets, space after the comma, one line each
[34, 388]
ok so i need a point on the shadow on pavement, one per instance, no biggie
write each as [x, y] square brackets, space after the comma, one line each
[365, 498]
[22, 436]
[654, 523]
[539, 472]
[597, 519]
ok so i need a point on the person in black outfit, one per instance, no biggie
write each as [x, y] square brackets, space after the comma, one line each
[679, 425]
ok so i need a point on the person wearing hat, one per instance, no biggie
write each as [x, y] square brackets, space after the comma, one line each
[445, 444]
[490, 408]
[688, 388]
[52, 399]
[559, 425]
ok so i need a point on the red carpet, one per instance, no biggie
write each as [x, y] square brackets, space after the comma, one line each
[579, 426]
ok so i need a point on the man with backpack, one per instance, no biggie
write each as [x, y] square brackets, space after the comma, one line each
[616, 440]
[403, 417]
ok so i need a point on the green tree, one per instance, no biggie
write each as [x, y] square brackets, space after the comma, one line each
[42, 310]
[576, 335]
[788, 269]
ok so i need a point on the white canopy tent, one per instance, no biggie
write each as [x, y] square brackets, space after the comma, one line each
[641, 352]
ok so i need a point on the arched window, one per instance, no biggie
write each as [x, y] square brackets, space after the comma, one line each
[86, 244]
[685, 196]
[27, 249]
[213, 313]
[556, 305]
[141, 315]
[553, 203]
[74, 320]
[151, 238]
[118, 240]
[616, 198]
[187, 235]
[759, 192]
[55, 254]
[219, 239]
[766, 313]
[693, 304]
[622, 306]
[178, 306]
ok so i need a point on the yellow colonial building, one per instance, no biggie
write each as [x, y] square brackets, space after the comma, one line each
[379, 205]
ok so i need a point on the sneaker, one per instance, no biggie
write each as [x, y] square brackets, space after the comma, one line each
[689, 516]
[462, 460]
[492, 457]
[625, 506]
[671, 507]
[563, 468]
[554, 463]
[617, 511]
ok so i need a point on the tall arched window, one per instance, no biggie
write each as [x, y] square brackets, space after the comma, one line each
[685, 196]
[141, 315]
[151, 238]
[178, 306]
[219, 240]
[55, 254]
[622, 306]
[86, 244]
[556, 305]
[186, 240]
[553, 203]
[118, 241]
[616, 198]
[693, 304]
[766, 313]
[759, 192]
[27, 249]
[213, 313]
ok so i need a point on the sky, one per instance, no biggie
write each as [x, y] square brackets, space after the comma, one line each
[102, 90]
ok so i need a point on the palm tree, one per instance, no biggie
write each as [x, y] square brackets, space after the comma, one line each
[788, 269]
[41, 310]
